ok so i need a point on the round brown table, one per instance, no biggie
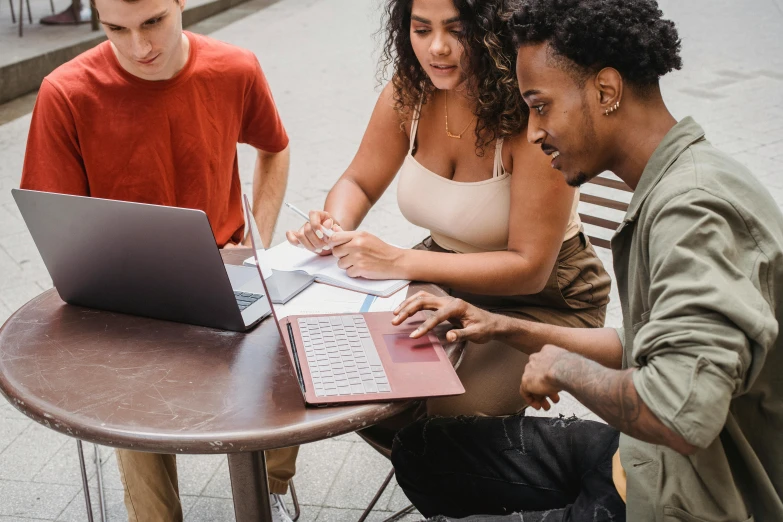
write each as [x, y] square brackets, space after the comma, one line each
[157, 386]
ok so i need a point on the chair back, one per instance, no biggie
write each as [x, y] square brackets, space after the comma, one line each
[603, 202]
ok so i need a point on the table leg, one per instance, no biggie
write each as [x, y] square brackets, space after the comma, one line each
[249, 487]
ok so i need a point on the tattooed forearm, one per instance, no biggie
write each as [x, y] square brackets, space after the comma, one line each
[611, 394]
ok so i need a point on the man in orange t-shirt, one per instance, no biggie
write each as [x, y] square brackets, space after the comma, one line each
[154, 115]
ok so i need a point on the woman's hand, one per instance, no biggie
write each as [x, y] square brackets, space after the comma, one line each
[314, 235]
[363, 255]
[473, 324]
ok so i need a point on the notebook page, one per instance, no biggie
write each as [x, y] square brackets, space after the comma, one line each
[287, 257]
[322, 299]
[335, 275]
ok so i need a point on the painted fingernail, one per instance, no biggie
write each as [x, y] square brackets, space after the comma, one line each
[319, 234]
[327, 232]
[327, 247]
[317, 250]
[414, 333]
[300, 245]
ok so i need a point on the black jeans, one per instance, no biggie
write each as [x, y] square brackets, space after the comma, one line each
[509, 468]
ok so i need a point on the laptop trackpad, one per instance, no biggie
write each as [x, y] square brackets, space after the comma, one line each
[403, 349]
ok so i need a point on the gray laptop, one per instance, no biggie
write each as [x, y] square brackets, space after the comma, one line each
[149, 260]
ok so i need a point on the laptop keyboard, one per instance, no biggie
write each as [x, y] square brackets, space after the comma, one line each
[342, 356]
[245, 299]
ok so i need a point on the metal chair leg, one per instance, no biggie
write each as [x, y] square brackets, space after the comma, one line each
[85, 484]
[29, 12]
[378, 494]
[21, 17]
[94, 25]
[295, 499]
[13, 14]
[99, 476]
[395, 516]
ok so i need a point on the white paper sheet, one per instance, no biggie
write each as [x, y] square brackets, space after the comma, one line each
[320, 298]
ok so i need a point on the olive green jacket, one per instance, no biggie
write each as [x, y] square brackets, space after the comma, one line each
[699, 267]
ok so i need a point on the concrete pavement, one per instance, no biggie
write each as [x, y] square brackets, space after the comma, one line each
[319, 56]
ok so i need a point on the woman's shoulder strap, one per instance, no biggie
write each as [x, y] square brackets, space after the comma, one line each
[415, 124]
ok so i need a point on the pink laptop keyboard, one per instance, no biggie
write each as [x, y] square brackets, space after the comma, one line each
[342, 356]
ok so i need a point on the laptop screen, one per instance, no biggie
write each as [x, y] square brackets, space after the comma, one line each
[255, 236]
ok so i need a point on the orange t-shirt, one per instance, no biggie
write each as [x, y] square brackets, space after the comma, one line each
[99, 131]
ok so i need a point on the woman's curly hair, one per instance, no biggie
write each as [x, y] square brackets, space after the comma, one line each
[628, 35]
[488, 62]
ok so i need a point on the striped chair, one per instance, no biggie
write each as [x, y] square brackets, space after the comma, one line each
[603, 203]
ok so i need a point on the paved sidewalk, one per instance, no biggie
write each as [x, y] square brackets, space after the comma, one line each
[319, 56]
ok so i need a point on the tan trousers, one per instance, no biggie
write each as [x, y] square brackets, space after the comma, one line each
[152, 492]
[576, 295]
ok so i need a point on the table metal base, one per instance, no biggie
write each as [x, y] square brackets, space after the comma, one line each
[249, 487]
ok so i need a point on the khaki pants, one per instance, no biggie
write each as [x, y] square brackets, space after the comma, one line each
[576, 295]
[150, 482]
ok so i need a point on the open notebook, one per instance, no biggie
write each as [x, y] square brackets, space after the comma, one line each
[287, 258]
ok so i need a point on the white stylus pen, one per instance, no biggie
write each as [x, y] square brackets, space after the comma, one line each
[307, 218]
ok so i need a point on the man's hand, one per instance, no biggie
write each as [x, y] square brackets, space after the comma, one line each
[610, 394]
[364, 255]
[473, 324]
[538, 381]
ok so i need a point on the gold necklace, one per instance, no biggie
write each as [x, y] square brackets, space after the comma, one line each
[449, 134]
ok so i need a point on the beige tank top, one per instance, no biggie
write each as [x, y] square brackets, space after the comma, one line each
[465, 217]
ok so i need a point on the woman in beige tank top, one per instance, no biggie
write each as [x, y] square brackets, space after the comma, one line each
[451, 126]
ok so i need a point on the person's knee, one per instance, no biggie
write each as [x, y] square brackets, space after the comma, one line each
[426, 447]
[416, 452]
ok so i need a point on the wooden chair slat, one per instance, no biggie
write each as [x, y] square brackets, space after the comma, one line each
[603, 202]
[600, 242]
[611, 183]
[599, 222]
[606, 203]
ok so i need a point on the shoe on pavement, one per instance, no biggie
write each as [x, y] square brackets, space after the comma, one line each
[279, 512]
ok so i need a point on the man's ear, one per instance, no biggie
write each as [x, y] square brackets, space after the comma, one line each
[609, 85]
[181, 4]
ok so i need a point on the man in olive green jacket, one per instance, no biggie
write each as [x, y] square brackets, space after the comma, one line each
[694, 380]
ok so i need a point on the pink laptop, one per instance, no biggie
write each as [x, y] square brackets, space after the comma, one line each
[361, 357]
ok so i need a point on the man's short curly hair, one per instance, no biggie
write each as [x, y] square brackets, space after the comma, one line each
[488, 62]
[628, 35]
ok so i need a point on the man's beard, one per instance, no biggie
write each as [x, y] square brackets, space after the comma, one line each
[579, 180]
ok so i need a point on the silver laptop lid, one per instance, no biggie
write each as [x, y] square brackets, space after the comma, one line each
[135, 258]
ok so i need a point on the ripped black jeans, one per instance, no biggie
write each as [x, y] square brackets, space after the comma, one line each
[515, 468]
